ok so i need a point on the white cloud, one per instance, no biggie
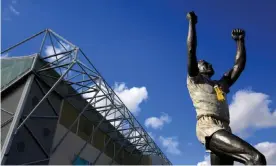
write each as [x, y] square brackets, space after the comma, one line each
[205, 162]
[13, 10]
[10, 11]
[101, 101]
[132, 97]
[136, 140]
[6, 17]
[59, 59]
[268, 149]
[250, 110]
[170, 144]
[158, 123]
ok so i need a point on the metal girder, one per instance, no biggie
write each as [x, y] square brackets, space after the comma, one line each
[118, 150]
[92, 136]
[14, 123]
[134, 137]
[35, 162]
[44, 97]
[22, 42]
[48, 100]
[135, 145]
[51, 68]
[2, 109]
[59, 60]
[7, 122]
[69, 129]
[84, 78]
[113, 120]
[104, 148]
[120, 130]
[36, 140]
[72, 95]
[43, 117]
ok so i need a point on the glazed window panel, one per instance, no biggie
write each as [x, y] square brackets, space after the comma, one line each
[68, 116]
[98, 140]
[110, 148]
[85, 128]
[119, 153]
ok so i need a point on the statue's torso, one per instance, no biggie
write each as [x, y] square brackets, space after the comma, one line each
[204, 97]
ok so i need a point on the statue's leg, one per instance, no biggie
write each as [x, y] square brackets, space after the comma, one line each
[224, 143]
[220, 160]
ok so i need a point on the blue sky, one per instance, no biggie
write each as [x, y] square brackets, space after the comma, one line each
[142, 44]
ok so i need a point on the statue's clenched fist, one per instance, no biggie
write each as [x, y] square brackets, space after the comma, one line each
[238, 34]
[191, 16]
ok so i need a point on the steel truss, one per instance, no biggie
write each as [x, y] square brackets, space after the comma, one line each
[76, 70]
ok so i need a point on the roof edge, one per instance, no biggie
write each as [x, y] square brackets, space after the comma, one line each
[23, 75]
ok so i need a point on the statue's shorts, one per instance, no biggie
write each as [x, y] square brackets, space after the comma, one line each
[207, 125]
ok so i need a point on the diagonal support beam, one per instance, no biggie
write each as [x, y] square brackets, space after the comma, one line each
[43, 41]
[48, 93]
[48, 100]
[2, 109]
[23, 41]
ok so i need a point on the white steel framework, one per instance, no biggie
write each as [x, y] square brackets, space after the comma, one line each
[76, 70]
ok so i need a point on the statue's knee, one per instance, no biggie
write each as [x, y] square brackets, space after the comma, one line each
[259, 159]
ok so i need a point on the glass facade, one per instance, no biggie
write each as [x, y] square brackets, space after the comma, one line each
[84, 128]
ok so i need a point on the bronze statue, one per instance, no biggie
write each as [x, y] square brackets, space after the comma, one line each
[209, 100]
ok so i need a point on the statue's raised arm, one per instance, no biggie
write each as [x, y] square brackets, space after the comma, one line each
[191, 45]
[209, 99]
[233, 74]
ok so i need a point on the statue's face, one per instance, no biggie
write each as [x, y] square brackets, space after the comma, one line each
[205, 68]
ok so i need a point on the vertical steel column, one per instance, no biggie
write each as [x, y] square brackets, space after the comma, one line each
[123, 146]
[141, 156]
[104, 148]
[77, 118]
[138, 162]
[93, 134]
[19, 110]
[111, 162]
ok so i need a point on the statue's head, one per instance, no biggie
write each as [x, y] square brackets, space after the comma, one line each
[205, 68]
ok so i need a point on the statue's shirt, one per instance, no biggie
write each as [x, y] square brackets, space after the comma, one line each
[205, 99]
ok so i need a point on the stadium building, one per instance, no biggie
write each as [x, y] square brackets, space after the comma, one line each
[56, 108]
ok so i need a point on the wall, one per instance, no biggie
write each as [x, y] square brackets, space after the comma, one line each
[32, 143]
[9, 102]
[42, 131]
[70, 146]
[156, 160]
